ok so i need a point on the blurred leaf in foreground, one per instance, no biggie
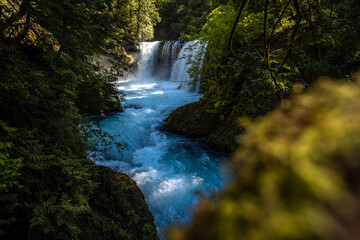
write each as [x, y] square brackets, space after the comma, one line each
[296, 174]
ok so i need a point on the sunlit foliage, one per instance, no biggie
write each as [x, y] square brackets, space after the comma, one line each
[257, 50]
[146, 18]
[296, 174]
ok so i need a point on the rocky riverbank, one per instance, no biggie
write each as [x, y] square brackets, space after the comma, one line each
[199, 121]
[119, 210]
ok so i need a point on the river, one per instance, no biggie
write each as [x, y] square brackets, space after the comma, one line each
[171, 170]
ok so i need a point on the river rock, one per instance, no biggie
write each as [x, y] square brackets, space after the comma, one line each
[90, 105]
[113, 104]
[199, 121]
[192, 120]
[119, 210]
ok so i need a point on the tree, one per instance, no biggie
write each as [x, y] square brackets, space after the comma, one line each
[146, 18]
[48, 57]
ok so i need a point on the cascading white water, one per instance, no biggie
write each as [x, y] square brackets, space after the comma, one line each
[177, 45]
[164, 58]
[169, 169]
[192, 51]
[146, 61]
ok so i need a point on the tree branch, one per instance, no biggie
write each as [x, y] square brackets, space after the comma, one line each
[267, 47]
[295, 30]
[234, 26]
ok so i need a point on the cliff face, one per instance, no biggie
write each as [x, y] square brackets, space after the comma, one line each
[119, 209]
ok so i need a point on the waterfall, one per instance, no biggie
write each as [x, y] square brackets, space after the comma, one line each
[171, 60]
[146, 62]
[169, 169]
[191, 52]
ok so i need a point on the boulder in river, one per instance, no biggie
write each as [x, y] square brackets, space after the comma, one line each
[119, 210]
[197, 120]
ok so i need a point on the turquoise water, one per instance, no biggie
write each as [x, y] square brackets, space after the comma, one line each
[170, 170]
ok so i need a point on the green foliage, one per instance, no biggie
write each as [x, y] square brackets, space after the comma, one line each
[295, 175]
[99, 140]
[55, 172]
[257, 50]
[52, 54]
[181, 18]
[296, 42]
[9, 173]
[220, 18]
[9, 167]
[146, 18]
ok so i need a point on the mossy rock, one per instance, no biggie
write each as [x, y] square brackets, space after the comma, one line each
[113, 104]
[199, 121]
[192, 120]
[119, 210]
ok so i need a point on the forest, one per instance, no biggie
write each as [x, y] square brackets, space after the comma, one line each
[279, 94]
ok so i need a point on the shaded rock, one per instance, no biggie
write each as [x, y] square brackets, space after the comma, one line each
[198, 120]
[113, 104]
[192, 120]
[90, 103]
[119, 210]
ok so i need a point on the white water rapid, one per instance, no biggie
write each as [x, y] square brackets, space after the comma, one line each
[169, 169]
